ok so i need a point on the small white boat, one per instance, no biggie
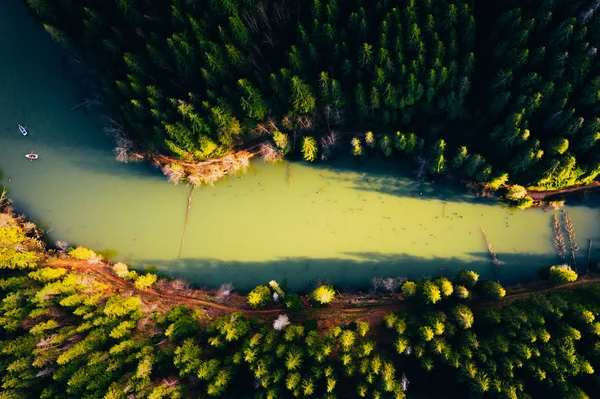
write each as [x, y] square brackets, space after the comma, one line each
[23, 130]
[31, 156]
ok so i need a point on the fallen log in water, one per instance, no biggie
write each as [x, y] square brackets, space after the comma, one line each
[493, 255]
[187, 214]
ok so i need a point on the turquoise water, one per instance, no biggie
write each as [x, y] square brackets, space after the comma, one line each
[340, 222]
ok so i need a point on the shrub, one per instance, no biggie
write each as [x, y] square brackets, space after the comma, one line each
[293, 303]
[562, 274]
[81, 253]
[145, 281]
[259, 296]
[323, 295]
[464, 316]
[47, 274]
[121, 269]
[431, 293]
[516, 192]
[409, 289]
[370, 139]
[493, 290]
[357, 149]
[525, 202]
[467, 278]
[498, 182]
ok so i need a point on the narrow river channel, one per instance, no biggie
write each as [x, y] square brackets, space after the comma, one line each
[339, 222]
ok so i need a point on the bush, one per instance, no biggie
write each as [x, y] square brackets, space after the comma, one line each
[516, 193]
[498, 182]
[409, 289]
[81, 253]
[323, 295]
[562, 274]
[293, 303]
[145, 281]
[132, 275]
[259, 297]
[121, 269]
[493, 290]
[47, 274]
[525, 202]
[467, 278]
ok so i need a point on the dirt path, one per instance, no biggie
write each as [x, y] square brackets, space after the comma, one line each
[373, 310]
[541, 195]
[82, 266]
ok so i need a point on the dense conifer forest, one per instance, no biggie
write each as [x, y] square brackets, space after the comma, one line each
[72, 333]
[485, 91]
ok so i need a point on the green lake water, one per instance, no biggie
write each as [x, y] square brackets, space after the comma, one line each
[339, 222]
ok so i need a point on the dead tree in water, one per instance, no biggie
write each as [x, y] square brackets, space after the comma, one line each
[493, 255]
[559, 240]
[570, 230]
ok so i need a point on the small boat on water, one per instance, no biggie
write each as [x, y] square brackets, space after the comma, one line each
[23, 130]
[31, 156]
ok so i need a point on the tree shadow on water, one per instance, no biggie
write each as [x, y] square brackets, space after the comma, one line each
[397, 179]
[347, 274]
[133, 170]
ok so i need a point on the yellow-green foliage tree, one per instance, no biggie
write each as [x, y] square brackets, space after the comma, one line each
[145, 281]
[81, 253]
[562, 274]
[409, 289]
[121, 269]
[259, 296]
[430, 292]
[493, 290]
[323, 294]
[16, 249]
[468, 278]
[309, 148]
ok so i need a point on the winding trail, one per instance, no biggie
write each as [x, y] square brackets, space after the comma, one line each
[84, 267]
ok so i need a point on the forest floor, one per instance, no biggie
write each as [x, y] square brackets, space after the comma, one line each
[347, 308]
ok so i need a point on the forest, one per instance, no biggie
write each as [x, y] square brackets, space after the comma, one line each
[72, 333]
[487, 91]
